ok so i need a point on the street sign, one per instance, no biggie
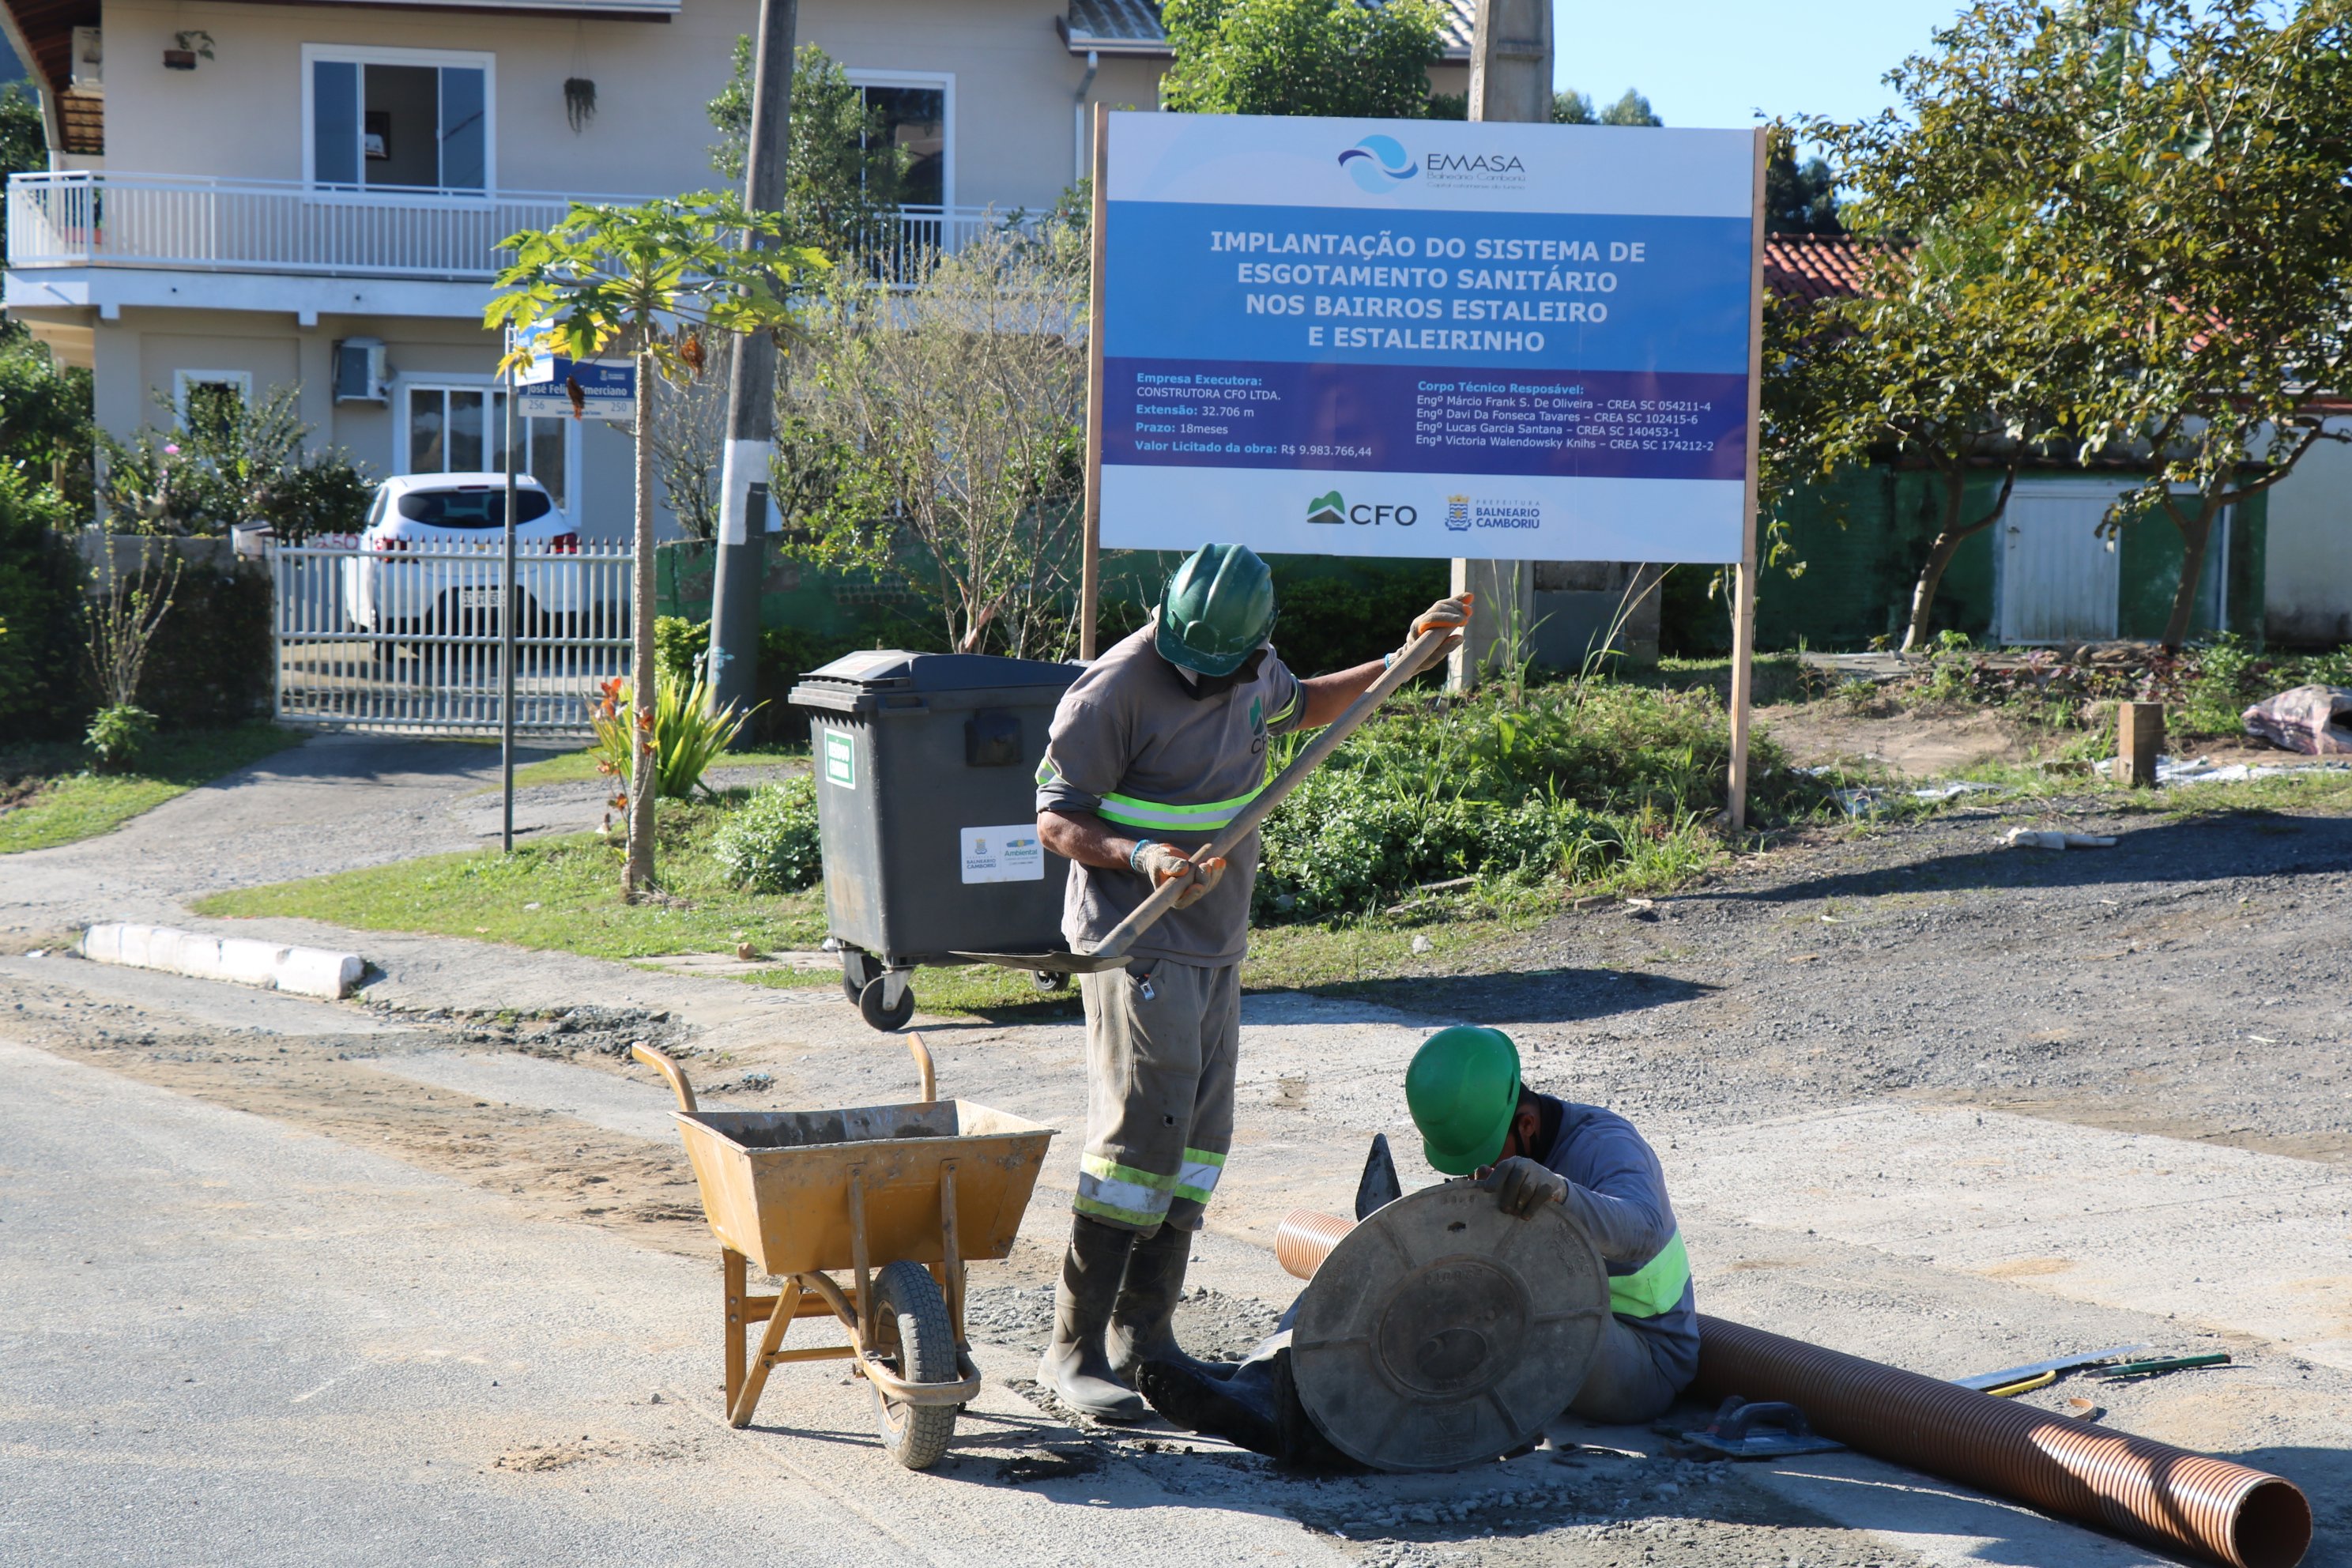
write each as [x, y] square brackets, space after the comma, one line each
[608, 390]
[1424, 338]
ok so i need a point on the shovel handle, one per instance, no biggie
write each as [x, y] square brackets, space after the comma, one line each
[670, 1070]
[1409, 663]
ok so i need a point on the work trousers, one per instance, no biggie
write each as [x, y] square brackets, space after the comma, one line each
[1162, 1038]
[1624, 1386]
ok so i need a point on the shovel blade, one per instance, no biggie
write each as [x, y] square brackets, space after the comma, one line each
[1054, 963]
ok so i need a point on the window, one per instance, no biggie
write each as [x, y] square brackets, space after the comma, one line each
[916, 112]
[463, 430]
[210, 395]
[398, 120]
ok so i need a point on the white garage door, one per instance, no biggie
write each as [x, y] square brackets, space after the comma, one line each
[2059, 580]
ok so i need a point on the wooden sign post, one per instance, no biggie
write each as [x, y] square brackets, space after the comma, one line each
[1090, 566]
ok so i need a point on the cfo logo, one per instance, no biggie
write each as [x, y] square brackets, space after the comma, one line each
[1377, 163]
[1457, 514]
[1332, 506]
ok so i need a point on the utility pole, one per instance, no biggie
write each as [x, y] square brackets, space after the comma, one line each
[751, 387]
[1510, 79]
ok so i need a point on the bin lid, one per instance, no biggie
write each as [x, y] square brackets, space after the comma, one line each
[868, 678]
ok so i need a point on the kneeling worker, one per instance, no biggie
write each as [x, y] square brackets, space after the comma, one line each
[1475, 1117]
[1154, 750]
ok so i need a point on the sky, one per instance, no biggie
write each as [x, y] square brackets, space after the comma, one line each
[1714, 63]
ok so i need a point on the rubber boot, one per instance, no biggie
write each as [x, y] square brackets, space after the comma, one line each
[1143, 1320]
[1076, 1365]
[1241, 1409]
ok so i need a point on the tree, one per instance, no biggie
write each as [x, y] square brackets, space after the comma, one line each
[843, 173]
[1572, 107]
[1301, 56]
[45, 415]
[23, 138]
[1799, 197]
[2167, 176]
[648, 281]
[936, 437]
[1631, 109]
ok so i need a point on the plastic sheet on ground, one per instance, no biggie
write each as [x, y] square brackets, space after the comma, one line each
[1863, 800]
[2204, 770]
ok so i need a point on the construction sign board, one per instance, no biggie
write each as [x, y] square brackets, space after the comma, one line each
[1427, 338]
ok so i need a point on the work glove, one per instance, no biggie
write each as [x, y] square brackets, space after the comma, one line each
[1164, 863]
[1522, 1185]
[1446, 614]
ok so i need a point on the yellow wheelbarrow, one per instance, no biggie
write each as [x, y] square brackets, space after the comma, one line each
[901, 1196]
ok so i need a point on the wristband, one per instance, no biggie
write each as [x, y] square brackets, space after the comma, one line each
[1388, 661]
[1135, 856]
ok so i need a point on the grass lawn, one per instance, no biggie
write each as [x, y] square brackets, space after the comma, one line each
[55, 801]
[574, 766]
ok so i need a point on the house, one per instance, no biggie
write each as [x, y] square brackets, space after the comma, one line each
[262, 194]
[2279, 565]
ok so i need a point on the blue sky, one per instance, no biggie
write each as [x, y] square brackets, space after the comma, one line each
[1714, 63]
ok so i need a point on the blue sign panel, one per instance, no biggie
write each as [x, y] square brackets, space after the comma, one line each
[1425, 337]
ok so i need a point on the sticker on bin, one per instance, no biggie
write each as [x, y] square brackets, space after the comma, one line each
[840, 759]
[1010, 854]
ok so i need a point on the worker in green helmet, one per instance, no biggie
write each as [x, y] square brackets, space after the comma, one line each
[1152, 750]
[1479, 1122]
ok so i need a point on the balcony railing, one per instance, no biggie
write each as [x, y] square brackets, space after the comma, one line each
[188, 223]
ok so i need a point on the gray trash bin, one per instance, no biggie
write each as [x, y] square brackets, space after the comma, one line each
[926, 789]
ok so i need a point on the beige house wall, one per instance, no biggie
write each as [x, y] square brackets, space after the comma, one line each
[2307, 551]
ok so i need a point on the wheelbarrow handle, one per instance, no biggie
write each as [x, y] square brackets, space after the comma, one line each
[670, 1070]
[922, 1054]
[1164, 898]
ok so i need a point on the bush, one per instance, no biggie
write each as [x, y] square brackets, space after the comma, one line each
[40, 614]
[1337, 623]
[770, 845]
[211, 664]
[116, 734]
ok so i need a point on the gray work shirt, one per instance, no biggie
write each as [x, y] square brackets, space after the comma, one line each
[1617, 1192]
[1135, 744]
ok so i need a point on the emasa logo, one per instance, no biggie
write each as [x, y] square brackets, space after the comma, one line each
[1377, 163]
[1330, 507]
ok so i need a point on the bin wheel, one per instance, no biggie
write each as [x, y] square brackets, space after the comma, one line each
[911, 1333]
[1050, 980]
[890, 1020]
[856, 971]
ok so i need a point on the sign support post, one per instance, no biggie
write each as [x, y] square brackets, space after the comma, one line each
[511, 599]
[1743, 604]
[1090, 563]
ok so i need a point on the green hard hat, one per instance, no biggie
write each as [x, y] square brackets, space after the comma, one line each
[1218, 608]
[1463, 1088]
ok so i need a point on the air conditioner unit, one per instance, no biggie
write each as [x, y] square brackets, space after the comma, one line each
[360, 371]
[88, 75]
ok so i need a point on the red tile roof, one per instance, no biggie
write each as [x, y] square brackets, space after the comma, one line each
[1810, 267]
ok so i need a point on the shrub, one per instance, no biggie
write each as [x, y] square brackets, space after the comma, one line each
[40, 606]
[687, 739]
[770, 845]
[678, 646]
[116, 734]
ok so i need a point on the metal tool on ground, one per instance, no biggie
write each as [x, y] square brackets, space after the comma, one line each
[900, 1195]
[2011, 1389]
[1986, 1380]
[1112, 951]
[1759, 1429]
[1442, 1330]
[2132, 1369]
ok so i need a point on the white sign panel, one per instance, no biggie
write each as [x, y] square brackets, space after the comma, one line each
[1427, 338]
[1007, 854]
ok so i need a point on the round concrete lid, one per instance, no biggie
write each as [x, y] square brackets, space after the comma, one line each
[1442, 1330]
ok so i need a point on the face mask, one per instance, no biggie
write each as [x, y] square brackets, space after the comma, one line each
[1199, 685]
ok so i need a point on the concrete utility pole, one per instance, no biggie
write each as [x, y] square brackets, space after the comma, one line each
[751, 387]
[1510, 79]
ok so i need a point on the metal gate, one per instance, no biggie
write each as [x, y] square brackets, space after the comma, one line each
[408, 639]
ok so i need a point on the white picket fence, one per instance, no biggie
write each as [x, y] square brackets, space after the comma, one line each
[409, 640]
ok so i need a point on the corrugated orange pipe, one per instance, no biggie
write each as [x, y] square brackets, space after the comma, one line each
[2166, 1495]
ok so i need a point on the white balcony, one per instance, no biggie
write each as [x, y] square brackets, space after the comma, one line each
[169, 223]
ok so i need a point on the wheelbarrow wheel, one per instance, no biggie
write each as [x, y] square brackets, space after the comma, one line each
[913, 1334]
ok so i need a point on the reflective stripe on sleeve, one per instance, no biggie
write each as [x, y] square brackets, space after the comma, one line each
[1122, 1193]
[1197, 1179]
[1654, 1288]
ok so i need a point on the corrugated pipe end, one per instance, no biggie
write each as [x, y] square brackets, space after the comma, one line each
[2273, 1526]
[1305, 1238]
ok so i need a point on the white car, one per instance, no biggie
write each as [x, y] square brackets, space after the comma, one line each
[431, 560]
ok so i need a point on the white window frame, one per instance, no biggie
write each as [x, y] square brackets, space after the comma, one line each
[363, 56]
[454, 381]
[945, 82]
[181, 380]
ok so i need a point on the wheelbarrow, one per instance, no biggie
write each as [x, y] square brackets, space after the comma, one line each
[901, 1196]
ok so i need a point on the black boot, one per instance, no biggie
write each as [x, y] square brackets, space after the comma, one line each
[1076, 1365]
[1143, 1320]
[1240, 1408]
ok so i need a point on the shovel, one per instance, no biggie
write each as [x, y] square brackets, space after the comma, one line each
[1112, 952]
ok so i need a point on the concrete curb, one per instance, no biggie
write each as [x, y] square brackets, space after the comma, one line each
[247, 960]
